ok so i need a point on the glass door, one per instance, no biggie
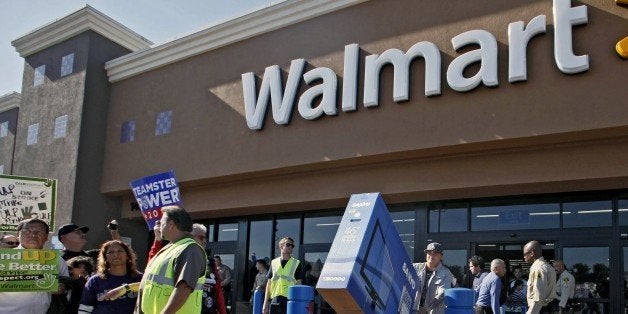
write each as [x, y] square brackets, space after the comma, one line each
[313, 258]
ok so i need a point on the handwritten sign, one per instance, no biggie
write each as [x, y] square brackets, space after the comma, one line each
[154, 192]
[29, 270]
[23, 198]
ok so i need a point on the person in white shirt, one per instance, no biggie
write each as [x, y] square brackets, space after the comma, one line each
[33, 234]
[565, 286]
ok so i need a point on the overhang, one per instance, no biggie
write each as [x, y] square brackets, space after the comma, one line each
[259, 22]
[75, 23]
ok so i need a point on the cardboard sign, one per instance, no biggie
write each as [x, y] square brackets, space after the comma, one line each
[367, 269]
[154, 192]
[22, 198]
[29, 270]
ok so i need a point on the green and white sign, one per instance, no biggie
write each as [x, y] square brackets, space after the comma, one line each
[29, 270]
[23, 198]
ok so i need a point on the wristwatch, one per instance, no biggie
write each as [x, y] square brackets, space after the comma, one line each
[127, 288]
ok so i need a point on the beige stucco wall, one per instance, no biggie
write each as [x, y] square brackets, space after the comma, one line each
[555, 132]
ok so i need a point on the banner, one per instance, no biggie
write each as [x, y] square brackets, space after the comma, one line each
[23, 198]
[29, 270]
[154, 192]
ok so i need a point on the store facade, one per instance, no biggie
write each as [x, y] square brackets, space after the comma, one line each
[483, 124]
[480, 148]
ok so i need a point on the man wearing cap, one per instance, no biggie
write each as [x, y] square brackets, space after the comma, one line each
[434, 278]
[73, 239]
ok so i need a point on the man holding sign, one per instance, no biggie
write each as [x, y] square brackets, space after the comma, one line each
[33, 234]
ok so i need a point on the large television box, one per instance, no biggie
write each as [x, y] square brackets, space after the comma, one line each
[367, 269]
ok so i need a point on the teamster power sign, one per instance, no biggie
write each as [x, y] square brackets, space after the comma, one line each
[154, 192]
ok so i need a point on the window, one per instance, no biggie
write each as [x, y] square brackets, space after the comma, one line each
[320, 229]
[515, 216]
[587, 214]
[622, 208]
[456, 261]
[228, 232]
[61, 126]
[40, 73]
[33, 131]
[448, 218]
[288, 227]
[4, 128]
[67, 64]
[260, 241]
[1, 169]
[404, 223]
[163, 125]
[590, 268]
[127, 134]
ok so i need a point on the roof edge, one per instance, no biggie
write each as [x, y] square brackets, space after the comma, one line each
[10, 101]
[256, 23]
[84, 19]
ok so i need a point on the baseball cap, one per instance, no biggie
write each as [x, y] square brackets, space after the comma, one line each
[65, 229]
[434, 246]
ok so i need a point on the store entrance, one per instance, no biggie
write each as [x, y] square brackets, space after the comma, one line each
[512, 254]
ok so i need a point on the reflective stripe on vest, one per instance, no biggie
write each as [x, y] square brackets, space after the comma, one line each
[158, 282]
[283, 277]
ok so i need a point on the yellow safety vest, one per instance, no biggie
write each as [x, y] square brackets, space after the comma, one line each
[283, 277]
[158, 283]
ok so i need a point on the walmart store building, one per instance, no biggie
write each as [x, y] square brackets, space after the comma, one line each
[483, 124]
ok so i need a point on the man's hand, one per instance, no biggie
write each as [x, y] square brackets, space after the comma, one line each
[157, 230]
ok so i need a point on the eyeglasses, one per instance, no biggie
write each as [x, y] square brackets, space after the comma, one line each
[11, 242]
[289, 244]
[526, 253]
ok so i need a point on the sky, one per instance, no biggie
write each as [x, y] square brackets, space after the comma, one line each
[156, 20]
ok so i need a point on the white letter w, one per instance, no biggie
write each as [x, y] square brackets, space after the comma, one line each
[271, 86]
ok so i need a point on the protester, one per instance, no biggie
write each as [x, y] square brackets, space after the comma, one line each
[260, 278]
[434, 278]
[9, 241]
[116, 266]
[32, 234]
[541, 281]
[213, 299]
[285, 271]
[81, 268]
[476, 266]
[490, 289]
[74, 239]
[177, 270]
[158, 243]
[225, 276]
[517, 296]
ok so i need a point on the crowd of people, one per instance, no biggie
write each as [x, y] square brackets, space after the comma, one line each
[548, 289]
[179, 277]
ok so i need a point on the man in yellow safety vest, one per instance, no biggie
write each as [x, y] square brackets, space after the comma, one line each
[174, 278]
[284, 272]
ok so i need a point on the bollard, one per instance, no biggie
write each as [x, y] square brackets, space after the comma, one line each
[258, 302]
[300, 299]
[459, 301]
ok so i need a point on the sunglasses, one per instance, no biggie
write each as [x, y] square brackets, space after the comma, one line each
[11, 243]
[289, 244]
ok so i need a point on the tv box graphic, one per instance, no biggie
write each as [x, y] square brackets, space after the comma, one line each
[367, 269]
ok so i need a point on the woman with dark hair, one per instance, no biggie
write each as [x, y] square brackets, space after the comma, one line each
[116, 267]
